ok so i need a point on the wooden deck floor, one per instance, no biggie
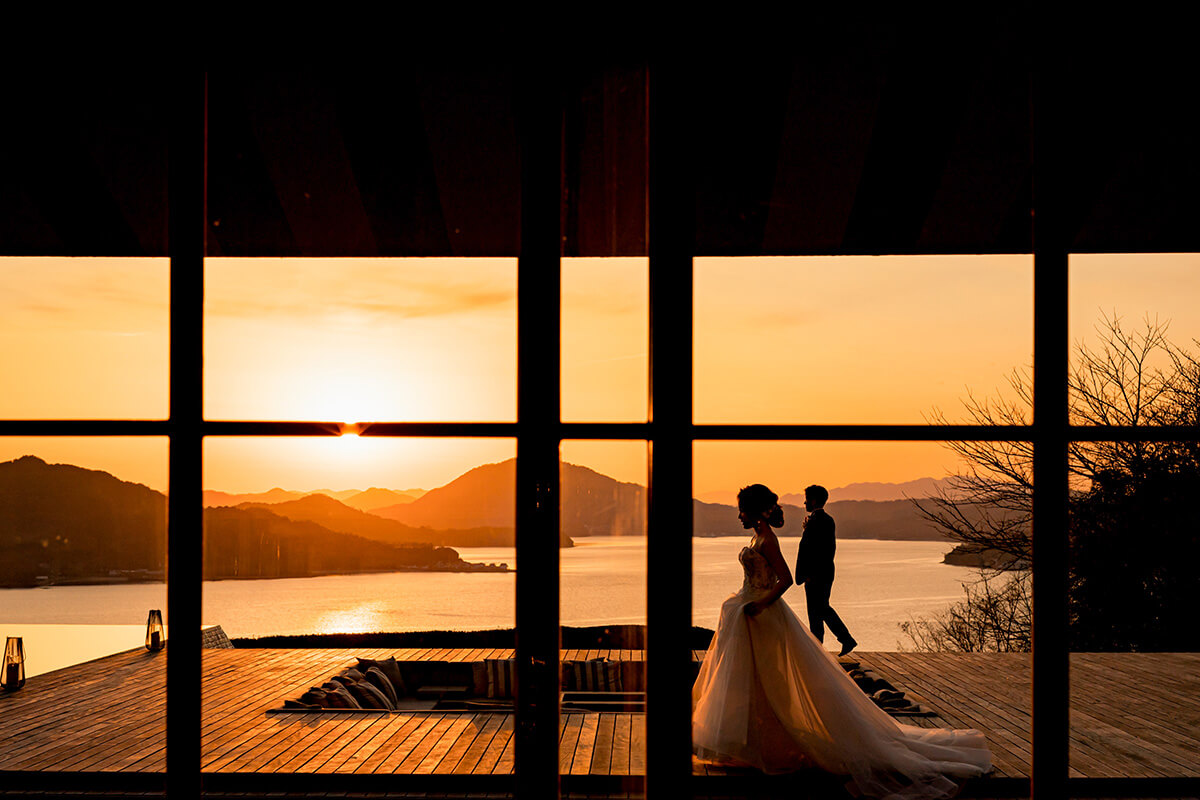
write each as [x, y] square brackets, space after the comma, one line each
[1133, 715]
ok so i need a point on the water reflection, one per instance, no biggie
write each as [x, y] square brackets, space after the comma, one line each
[51, 647]
[364, 618]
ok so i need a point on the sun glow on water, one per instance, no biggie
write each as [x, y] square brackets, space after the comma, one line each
[363, 618]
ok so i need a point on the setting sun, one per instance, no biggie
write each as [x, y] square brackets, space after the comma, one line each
[880, 339]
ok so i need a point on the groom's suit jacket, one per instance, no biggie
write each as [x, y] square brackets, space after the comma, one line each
[814, 560]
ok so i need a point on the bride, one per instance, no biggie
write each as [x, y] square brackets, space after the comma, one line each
[770, 696]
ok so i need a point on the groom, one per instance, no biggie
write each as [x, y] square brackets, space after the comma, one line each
[814, 568]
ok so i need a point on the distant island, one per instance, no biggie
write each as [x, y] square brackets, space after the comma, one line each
[973, 555]
[63, 524]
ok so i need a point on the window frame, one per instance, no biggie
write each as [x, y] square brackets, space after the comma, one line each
[669, 432]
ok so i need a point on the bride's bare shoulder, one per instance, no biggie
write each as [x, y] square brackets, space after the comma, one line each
[765, 542]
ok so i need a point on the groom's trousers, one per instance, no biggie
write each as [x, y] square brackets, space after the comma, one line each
[820, 613]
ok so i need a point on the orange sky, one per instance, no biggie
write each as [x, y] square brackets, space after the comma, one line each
[848, 339]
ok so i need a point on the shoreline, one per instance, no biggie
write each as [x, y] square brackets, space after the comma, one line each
[573, 637]
[112, 580]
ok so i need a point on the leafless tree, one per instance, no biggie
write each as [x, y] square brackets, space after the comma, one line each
[995, 617]
[1132, 377]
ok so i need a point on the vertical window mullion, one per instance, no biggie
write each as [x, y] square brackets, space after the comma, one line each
[539, 122]
[186, 215]
[1051, 664]
[669, 513]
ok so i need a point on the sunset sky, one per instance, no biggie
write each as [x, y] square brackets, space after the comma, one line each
[822, 340]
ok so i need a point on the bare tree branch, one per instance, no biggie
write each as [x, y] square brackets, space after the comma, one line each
[1132, 377]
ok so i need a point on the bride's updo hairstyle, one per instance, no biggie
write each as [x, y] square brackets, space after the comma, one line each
[758, 500]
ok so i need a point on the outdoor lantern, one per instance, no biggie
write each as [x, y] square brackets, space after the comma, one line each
[156, 638]
[14, 664]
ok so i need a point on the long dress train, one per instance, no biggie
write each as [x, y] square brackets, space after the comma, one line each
[770, 696]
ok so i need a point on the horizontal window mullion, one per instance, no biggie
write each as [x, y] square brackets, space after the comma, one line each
[606, 430]
[84, 427]
[1140, 433]
[439, 429]
[933, 433]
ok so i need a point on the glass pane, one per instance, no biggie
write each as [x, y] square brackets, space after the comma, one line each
[603, 513]
[863, 150]
[860, 339]
[82, 559]
[397, 553]
[372, 534]
[1134, 541]
[84, 338]
[906, 564]
[86, 170]
[399, 160]
[353, 340]
[1135, 336]
[605, 339]
[603, 608]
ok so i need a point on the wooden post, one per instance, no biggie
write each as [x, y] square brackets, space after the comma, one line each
[187, 224]
[669, 549]
[1051, 665]
[539, 122]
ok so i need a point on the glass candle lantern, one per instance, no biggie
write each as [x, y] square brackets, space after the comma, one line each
[156, 636]
[13, 676]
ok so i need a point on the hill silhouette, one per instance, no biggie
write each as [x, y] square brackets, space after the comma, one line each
[64, 524]
[485, 497]
[342, 518]
[480, 497]
[856, 519]
[61, 523]
[478, 507]
[276, 495]
[355, 498]
[253, 542]
[879, 492]
[864, 490]
[597, 505]
[373, 498]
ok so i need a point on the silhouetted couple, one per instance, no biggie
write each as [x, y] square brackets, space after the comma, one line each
[769, 695]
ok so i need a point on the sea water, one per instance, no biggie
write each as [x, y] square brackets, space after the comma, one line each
[879, 585]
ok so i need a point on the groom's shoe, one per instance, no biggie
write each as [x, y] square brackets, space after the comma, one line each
[847, 646]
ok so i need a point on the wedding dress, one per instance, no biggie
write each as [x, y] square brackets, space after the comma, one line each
[770, 696]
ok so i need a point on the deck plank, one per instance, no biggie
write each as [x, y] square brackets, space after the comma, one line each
[963, 703]
[442, 747]
[637, 745]
[620, 757]
[370, 761]
[601, 762]
[1132, 715]
[490, 760]
[581, 761]
[570, 728]
[479, 745]
[395, 760]
[506, 764]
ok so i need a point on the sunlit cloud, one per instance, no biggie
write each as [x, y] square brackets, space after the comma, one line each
[375, 288]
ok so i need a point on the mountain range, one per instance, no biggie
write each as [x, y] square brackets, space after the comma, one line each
[855, 519]
[591, 503]
[869, 490]
[64, 523]
[69, 523]
[340, 517]
[363, 500]
[881, 492]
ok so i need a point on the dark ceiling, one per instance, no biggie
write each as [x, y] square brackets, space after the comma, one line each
[876, 154]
